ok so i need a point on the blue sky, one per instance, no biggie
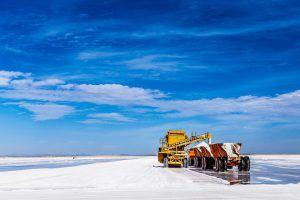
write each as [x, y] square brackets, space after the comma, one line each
[102, 77]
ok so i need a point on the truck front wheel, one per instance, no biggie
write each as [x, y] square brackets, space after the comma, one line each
[166, 164]
[185, 163]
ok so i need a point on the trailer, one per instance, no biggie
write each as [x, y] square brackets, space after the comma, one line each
[218, 156]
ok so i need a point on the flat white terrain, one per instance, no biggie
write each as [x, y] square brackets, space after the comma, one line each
[272, 177]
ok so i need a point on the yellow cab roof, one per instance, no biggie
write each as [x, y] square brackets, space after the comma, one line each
[181, 132]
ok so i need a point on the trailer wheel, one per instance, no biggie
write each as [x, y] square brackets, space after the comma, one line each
[224, 164]
[217, 165]
[220, 164]
[241, 164]
[211, 163]
[246, 163]
[208, 163]
[166, 164]
[191, 161]
[199, 161]
[203, 163]
[185, 163]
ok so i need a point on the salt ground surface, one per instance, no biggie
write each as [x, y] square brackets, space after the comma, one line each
[272, 177]
[23, 163]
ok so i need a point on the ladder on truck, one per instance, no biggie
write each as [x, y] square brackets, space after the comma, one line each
[197, 138]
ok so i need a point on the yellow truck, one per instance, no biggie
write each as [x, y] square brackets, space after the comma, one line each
[172, 152]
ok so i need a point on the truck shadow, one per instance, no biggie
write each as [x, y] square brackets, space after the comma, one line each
[233, 177]
[260, 173]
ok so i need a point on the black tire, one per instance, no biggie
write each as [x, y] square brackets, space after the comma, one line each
[210, 163]
[166, 164]
[246, 163]
[203, 163]
[191, 161]
[241, 164]
[220, 164]
[217, 165]
[185, 163]
[224, 164]
[199, 160]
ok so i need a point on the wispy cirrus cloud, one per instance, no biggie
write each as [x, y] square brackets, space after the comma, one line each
[97, 118]
[91, 55]
[45, 111]
[165, 31]
[154, 62]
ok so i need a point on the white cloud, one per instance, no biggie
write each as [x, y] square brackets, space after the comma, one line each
[153, 62]
[106, 117]
[117, 91]
[23, 80]
[91, 55]
[280, 108]
[27, 83]
[110, 94]
[7, 76]
[13, 74]
[4, 81]
[47, 111]
[48, 82]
